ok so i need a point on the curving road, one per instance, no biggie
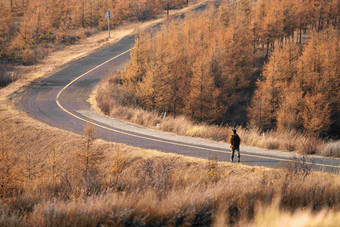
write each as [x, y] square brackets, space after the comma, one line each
[61, 101]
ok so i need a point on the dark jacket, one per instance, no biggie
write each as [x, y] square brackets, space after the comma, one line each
[231, 138]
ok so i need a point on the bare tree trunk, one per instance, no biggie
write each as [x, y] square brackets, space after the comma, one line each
[167, 9]
[83, 14]
[254, 41]
[91, 14]
[38, 22]
[260, 116]
[201, 107]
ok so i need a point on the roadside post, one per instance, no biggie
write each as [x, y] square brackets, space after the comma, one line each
[108, 15]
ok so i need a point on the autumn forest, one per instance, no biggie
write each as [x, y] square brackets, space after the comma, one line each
[28, 29]
[270, 64]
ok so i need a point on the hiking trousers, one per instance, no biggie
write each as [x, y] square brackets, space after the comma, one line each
[233, 152]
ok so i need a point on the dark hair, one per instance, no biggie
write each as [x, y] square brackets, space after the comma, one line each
[234, 130]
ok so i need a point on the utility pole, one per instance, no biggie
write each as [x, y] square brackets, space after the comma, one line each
[108, 15]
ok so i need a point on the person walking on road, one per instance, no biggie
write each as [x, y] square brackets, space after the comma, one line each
[235, 141]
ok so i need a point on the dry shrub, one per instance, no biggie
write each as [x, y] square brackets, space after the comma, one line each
[299, 165]
[309, 145]
[10, 218]
[332, 149]
[31, 56]
[218, 133]
[72, 36]
[5, 78]
[103, 101]
[134, 115]
[251, 137]
[272, 144]
[177, 125]
[40, 52]
[28, 56]
[289, 146]
[7, 75]
[119, 162]
[145, 118]
[207, 131]
[23, 205]
[155, 174]
[194, 131]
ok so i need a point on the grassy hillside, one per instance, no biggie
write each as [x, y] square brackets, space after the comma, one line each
[122, 185]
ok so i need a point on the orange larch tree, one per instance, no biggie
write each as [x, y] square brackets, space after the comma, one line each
[300, 91]
[202, 100]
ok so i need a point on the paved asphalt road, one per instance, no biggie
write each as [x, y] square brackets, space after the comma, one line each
[61, 101]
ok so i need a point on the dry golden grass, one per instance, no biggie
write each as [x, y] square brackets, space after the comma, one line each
[136, 186]
[274, 216]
